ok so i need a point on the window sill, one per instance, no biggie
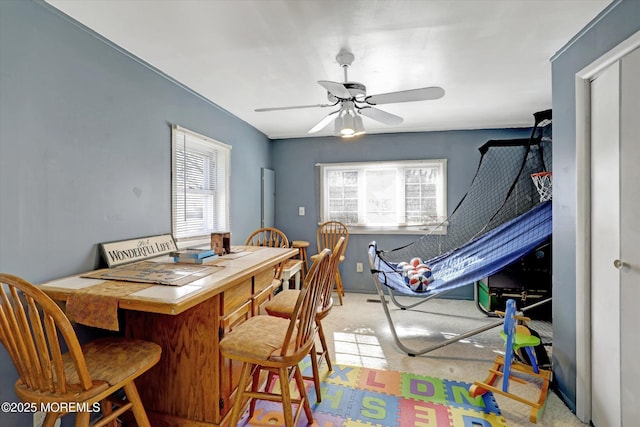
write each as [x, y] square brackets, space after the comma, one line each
[413, 230]
[193, 242]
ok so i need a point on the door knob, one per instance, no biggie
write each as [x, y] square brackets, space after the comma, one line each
[619, 264]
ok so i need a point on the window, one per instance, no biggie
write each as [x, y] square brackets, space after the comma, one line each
[200, 186]
[397, 196]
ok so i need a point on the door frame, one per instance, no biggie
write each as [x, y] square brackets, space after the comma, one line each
[583, 220]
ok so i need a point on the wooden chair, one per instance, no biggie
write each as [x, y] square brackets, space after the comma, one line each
[327, 236]
[277, 345]
[516, 336]
[30, 324]
[283, 304]
[273, 238]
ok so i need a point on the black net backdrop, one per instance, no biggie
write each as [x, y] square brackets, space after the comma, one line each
[501, 190]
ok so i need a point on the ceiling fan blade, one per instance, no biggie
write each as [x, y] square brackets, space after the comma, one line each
[324, 122]
[295, 107]
[380, 116]
[422, 94]
[335, 88]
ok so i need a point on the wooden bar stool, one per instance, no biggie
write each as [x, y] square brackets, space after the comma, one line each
[302, 246]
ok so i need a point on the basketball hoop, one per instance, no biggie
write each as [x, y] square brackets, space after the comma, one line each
[542, 181]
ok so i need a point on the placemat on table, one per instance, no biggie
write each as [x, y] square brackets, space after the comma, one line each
[161, 273]
[97, 305]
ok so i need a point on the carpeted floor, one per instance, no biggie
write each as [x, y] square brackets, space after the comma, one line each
[358, 335]
[358, 396]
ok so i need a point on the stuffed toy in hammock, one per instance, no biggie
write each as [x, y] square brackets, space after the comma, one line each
[416, 274]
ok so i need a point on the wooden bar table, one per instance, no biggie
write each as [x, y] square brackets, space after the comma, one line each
[192, 385]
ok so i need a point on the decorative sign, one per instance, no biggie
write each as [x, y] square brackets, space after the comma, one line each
[126, 251]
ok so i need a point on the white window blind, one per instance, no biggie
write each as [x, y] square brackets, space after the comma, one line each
[200, 185]
[378, 196]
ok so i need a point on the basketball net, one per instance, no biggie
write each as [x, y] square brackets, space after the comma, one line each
[542, 181]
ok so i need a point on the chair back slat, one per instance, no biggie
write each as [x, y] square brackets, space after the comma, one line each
[301, 332]
[32, 337]
[57, 370]
[13, 336]
[28, 338]
[41, 348]
[28, 330]
[43, 345]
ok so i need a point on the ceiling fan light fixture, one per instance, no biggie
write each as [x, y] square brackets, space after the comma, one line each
[348, 127]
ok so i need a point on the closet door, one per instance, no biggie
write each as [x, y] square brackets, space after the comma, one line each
[268, 205]
[615, 233]
[630, 237]
[605, 248]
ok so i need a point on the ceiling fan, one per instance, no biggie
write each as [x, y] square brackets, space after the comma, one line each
[352, 101]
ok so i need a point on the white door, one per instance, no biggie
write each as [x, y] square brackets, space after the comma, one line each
[605, 232]
[268, 209]
[630, 238]
[615, 233]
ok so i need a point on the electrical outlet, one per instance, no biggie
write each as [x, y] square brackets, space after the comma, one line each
[359, 267]
[301, 211]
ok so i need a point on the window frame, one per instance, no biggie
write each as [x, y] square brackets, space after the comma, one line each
[437, 226]
[201, 145]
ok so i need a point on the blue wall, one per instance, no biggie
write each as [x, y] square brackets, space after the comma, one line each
[85, 151]
[615, 24]
[294, 160]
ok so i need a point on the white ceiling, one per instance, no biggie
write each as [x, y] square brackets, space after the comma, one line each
[490, 56]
